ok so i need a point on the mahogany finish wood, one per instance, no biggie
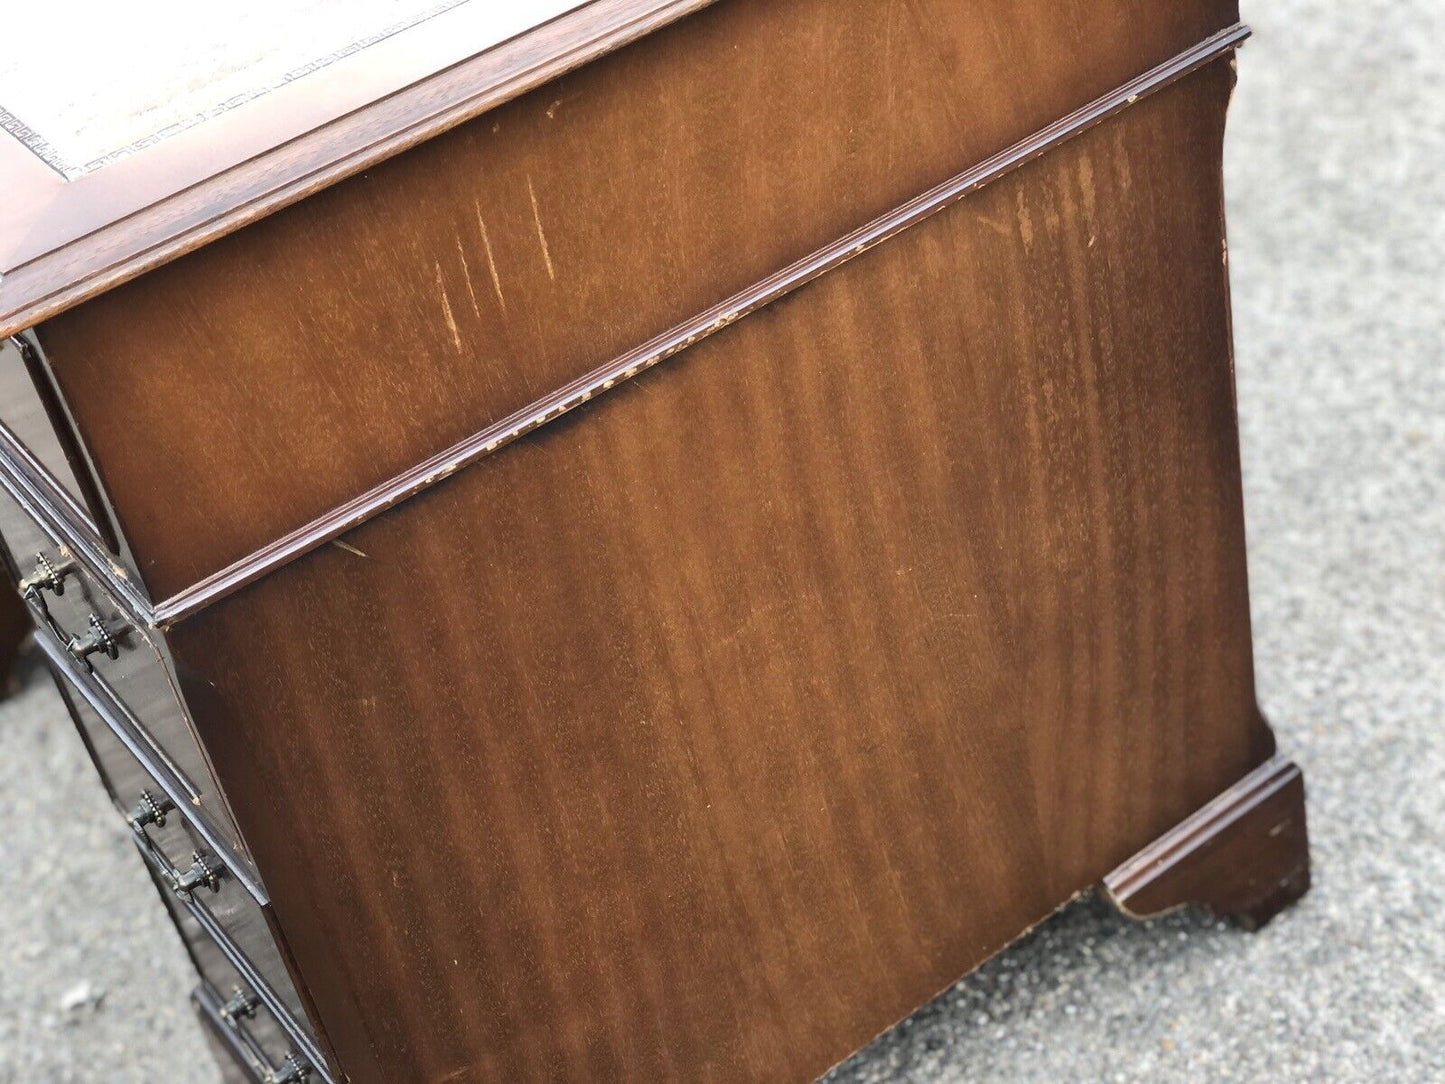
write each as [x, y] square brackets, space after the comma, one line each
[697, 721]
[555, 233]
[428, 472]
[862, 634]
[1244, 855]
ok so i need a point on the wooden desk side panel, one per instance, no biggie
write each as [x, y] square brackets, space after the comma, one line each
[708, 731]
[244, 390]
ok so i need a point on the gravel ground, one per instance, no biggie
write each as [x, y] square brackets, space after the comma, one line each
[1338, 248]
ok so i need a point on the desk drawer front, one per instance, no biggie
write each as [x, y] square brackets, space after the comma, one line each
[251, 1045]
[210, 894]
[31, 412]
[80, 627]
[178, 842]
[230, 943]
[43, 465]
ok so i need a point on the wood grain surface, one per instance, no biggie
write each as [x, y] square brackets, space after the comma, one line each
[598, 381]
[709, 730]
[242, 391]
[62, 241]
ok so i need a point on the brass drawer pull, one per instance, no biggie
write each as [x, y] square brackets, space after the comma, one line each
[205, 872]
[167, 784]
[254, 995]
[98, 639]
[150, 809]
[293, 1071]
[48, 576]
[242, 1006]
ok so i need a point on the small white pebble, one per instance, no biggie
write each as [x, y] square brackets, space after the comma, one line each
[80, 996]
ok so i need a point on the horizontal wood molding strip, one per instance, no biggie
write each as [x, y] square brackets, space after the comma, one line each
[382, 497]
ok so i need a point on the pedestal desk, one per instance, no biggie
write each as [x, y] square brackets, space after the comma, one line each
[641, 540]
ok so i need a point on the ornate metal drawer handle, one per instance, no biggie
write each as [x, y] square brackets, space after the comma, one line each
[205, 872]
[150, 809]
[98, 639]
[293, 1071]
[242, 1005]
[246, 1002]
[48, 576]
[229, 1020]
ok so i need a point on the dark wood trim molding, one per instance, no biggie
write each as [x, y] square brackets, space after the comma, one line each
[1245, 855]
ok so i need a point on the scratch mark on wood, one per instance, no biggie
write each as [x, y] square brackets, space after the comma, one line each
[1026, 222]
[541, 236]
[467, 274]
[998, 227]
[447, 311]
[347, 546]
[491, 260]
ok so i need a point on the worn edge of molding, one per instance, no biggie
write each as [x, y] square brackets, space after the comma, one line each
[1198, 830]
